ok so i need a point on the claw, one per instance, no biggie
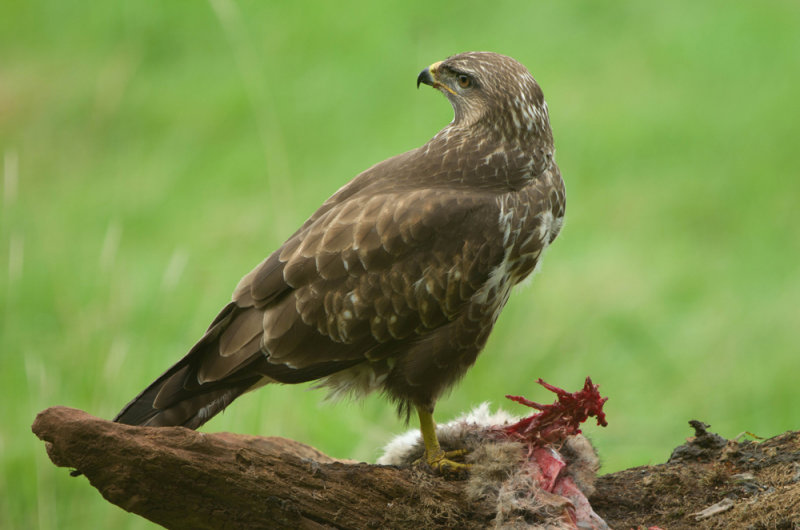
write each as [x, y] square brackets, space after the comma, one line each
[457, 453]
[443, 463]
[439, 460]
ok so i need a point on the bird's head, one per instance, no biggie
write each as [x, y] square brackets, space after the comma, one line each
[491, 90]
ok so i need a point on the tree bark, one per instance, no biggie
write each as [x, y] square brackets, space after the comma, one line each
[181, 478]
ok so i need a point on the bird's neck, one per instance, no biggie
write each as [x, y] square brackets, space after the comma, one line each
[495, 158]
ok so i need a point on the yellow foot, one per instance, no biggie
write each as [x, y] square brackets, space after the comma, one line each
[442, 462]
[438, 459]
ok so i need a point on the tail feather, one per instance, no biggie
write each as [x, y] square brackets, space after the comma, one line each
[187, 408]
[179, 397]
[209, 377]
[191, 412]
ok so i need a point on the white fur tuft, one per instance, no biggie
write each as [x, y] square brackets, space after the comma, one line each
[397, 452]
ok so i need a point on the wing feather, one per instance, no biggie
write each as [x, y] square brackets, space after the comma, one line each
[242, 330]
[372, 271]
[296, 318]
[217, 367]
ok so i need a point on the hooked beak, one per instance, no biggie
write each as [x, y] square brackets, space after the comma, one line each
[426, 76]
[429, 77]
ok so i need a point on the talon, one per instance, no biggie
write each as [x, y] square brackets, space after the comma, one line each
[456, 453]
[445, 466]
[439, 460]
[442, 462]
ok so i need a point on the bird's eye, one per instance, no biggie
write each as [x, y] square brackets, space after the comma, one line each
[464, 81]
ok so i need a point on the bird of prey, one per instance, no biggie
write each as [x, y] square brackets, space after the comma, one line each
[396, 281]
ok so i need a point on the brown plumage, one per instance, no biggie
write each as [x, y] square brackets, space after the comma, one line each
[396, 281]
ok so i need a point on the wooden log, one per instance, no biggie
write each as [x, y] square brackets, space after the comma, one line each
[181, 478]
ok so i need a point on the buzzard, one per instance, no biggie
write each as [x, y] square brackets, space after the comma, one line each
[396, 281]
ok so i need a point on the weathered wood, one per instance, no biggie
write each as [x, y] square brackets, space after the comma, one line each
[185, 479]
[181, 478]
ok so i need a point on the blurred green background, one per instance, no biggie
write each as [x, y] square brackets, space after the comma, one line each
[154, 152]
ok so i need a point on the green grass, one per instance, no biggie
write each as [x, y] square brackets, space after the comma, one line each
[154, 153]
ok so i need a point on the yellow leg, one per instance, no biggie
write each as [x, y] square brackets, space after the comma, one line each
[438, 459]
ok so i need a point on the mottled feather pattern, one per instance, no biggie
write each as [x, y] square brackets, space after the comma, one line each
[396, 281]
[378, 287]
